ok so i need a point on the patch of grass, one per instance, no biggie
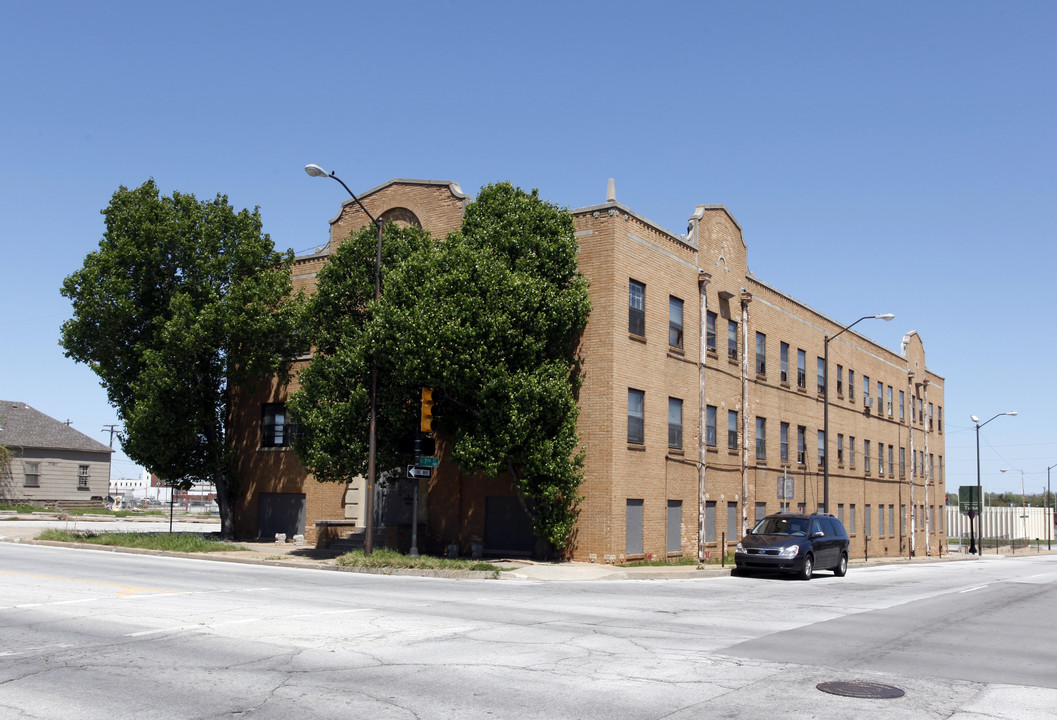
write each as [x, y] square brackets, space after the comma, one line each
[173, 542]
[384, 558]
[663, 562]
[22, 508]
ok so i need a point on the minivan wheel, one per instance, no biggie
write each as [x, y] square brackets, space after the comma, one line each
[806, 570]
[842, 567]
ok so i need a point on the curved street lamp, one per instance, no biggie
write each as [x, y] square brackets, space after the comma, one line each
[979, 493]
[368, 542]
[887, 317]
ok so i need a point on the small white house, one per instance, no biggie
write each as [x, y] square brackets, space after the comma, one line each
[51, 464]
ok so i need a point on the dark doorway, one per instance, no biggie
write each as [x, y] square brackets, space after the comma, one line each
[507, 528]
[280, 513]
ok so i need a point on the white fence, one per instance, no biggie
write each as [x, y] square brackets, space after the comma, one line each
[1009, 523]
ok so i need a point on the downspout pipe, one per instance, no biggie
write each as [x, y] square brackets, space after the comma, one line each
[703, 279]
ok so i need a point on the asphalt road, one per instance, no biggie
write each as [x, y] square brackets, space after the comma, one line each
[89, 634]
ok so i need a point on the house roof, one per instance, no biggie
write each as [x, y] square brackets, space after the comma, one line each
[23, 426]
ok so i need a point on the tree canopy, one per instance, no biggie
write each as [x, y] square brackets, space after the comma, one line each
[182, 302]
[490, 318]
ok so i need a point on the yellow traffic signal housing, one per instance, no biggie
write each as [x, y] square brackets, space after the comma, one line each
[427, 410]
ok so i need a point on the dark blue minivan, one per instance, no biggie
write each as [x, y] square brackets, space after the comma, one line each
[794, 543]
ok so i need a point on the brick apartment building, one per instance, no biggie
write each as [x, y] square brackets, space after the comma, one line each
[684, 344]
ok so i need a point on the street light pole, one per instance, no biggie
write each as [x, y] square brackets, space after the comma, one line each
[1049, 511]
[979, 493]
[368, 541]
[825, 402]
[1023, 502]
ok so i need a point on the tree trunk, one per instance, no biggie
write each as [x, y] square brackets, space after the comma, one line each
[225, 504]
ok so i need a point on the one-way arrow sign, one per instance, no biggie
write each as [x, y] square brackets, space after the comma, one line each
[414, 471]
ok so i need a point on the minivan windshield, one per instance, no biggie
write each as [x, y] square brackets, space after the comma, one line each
[781, 526]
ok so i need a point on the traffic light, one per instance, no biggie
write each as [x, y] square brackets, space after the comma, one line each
[426, 424]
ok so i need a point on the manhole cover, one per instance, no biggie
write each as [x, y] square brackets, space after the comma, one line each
[858, 689]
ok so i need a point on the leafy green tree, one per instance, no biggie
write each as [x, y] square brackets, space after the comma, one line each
[490, 318]
[183, 302]
[332, 407]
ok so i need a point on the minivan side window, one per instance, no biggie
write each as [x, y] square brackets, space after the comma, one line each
[832, 527]
[816, 527]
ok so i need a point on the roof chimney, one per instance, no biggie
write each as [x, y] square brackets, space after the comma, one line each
[611, 191]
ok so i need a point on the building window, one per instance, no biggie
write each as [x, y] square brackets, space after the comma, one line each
[821, 447]
[710, 425]
[881, 520]
[840, 512]
[851, 451]
[840, 449]
[891, 461]
[277, 429]
[889, 401]
[733, 529]
[891, 519]
[732, 340]
[783, 432]
[784, 362]
[761, 354]
[866, 390]
[32, 473]
[866, 455]
[939, 418]
[840, 381]
[675, 423]
[82, 477]
[866, 520]
[636, 403]
[801, 444]
[820, 370]
[902, 400]
[851, 384]
[675, 526]
[930, 416]
[675, 322]
[801, 369]
[761, 438]
[903, 462]
[710, 521]
[732, 429]
[636, 308]
[710, 331]
[880, 397]
[851, 519]
[761, 512]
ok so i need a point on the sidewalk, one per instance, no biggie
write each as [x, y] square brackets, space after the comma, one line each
[25, 528]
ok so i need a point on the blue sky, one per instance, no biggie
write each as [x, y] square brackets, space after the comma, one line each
[881, 157]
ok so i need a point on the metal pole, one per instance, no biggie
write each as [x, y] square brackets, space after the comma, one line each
[825, 425]
[979, 500]
[1049, 511]
[825, 405]
[368, 541]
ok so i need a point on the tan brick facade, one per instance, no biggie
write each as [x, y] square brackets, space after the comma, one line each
[664, 494]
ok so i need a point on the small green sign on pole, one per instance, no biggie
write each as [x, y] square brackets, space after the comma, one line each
[968, 499]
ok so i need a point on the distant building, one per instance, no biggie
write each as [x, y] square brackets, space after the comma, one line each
[702, 407]
[51, 463]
